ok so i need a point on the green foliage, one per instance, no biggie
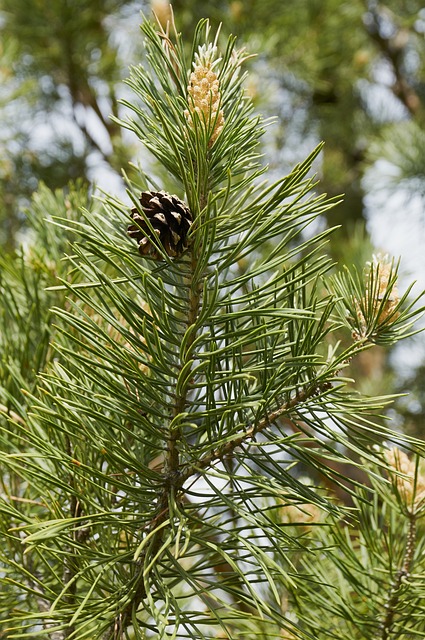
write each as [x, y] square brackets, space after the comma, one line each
[26, 317]
[60, 66]
[401, 150]
[367, 581]
[180, 402]
[370, 303]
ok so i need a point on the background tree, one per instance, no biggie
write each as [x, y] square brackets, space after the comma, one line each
[61, 67]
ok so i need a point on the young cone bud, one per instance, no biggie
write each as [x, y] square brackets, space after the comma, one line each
[204, 95]
[378, 299]
[411, 486]
[170, 219]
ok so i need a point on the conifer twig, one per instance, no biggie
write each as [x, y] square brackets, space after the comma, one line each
[229, 447]
[402, 574]
[171, 467]
[174, 483]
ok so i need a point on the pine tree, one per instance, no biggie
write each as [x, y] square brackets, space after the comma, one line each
[60, 69]
[187, 409]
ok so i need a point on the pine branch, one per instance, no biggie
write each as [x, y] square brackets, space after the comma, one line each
[174, 484]
[171, 467]
[401, 578]
[250, 432]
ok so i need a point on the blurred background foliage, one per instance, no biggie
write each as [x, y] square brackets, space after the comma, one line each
[351, 73]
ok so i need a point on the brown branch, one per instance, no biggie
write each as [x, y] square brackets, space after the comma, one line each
[89, 138]
[171, 465]
[82, 94]
[402, 574]
[393, 48]
[228, 448]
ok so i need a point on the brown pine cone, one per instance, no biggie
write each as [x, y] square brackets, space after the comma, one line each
[171, 220]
